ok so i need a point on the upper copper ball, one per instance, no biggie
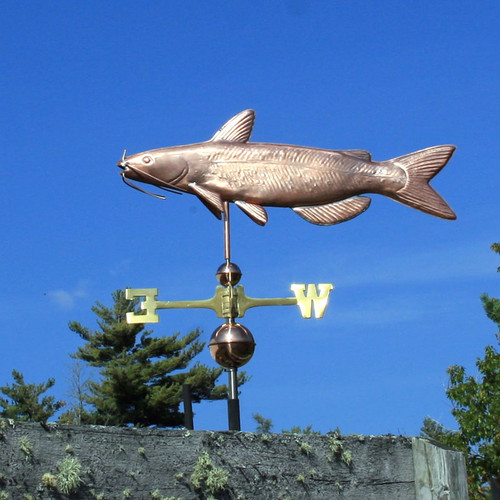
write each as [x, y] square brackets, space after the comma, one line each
[232, 345]
[228, 274]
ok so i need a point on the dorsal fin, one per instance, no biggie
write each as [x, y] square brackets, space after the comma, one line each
[358, 153]
[237, 129]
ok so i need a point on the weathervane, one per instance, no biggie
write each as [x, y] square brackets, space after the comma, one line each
[232, 345]
[322, 186]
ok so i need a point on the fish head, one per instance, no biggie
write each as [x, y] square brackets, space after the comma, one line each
[165, 168]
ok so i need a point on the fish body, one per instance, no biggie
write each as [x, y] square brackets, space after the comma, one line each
[323, 186]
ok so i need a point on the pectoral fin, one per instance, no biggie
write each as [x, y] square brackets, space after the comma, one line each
[237, 129]
[333, 213]
[211, 200]
[257, 213]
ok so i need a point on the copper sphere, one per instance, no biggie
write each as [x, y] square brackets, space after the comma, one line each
[232, 345]
[228, 274]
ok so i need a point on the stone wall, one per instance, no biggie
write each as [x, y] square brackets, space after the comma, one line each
[90, 462]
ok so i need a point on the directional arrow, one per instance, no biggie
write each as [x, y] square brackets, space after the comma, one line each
[231, 302]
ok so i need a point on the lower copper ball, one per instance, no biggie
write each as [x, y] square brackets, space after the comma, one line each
[228, 274]
[232, 345]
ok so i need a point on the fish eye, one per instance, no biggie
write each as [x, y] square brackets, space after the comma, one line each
[147, 159]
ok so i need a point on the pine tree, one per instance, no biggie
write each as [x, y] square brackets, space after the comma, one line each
[264, 425]
[476, 407]
[23, 400]
[141, 376]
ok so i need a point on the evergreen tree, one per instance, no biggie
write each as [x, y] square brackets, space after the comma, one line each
[141, 376]
[264, 425]
[23, 400]
[476, 407]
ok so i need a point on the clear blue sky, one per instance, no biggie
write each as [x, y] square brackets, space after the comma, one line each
[81, 82]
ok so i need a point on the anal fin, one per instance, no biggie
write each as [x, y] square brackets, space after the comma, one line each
[333, 213]
[257, 213]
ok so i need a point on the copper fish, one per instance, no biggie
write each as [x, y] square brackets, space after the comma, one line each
[321, 185]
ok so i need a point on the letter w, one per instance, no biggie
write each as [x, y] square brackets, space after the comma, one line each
[305, 301]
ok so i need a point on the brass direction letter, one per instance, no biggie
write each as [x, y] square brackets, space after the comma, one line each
[306, 300]
[149, 305]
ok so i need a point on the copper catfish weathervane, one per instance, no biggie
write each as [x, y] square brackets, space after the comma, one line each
[323, 186]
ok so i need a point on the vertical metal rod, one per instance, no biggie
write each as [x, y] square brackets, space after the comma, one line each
[233, 383]
[188, 407]
[227, 244]
[233, 403]
[227, 233]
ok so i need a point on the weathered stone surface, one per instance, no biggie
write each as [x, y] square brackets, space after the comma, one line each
[445, 478]
[149, 464]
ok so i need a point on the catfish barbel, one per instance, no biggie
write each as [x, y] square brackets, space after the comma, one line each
[322, 186]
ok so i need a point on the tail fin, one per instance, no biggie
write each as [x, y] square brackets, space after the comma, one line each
[420, 168]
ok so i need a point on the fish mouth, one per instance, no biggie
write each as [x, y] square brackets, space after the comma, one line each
[123, 162]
